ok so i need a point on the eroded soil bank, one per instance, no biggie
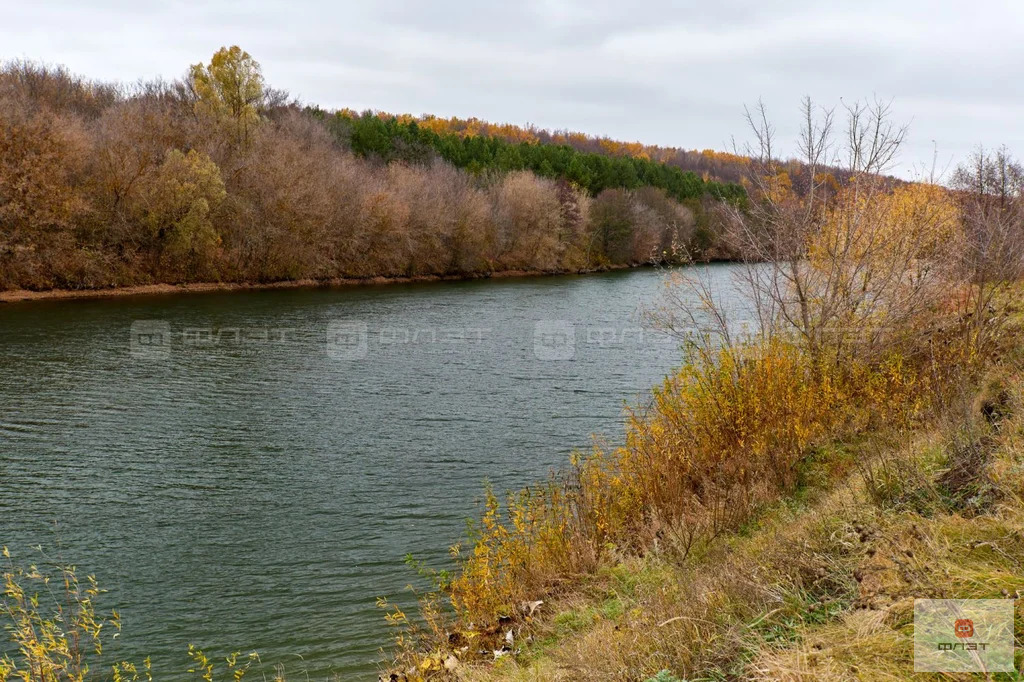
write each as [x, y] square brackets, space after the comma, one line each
[16, 295]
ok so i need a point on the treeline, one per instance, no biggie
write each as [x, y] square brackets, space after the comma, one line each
[405, 139]
[216, 177]
[727, 173]
[711, 164]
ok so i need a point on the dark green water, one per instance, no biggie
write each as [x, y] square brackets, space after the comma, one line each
[247, 470]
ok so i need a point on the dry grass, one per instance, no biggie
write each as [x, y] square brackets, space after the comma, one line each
[733, 431]
[821, 588]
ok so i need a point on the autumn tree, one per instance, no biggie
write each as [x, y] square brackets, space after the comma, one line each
[230, 89]
[612, 226]
[575, 219]
[845, 271]
[175, 207]
[57, 89]
[131, 141]
[663, 228]
[42, 159]
[528, 218]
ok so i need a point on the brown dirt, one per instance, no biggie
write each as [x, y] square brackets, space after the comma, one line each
[17, 295]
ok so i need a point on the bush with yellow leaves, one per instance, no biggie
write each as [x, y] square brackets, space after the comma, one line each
[54, 627]
[52, 622]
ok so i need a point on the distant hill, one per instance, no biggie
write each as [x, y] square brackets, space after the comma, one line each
[591, 163]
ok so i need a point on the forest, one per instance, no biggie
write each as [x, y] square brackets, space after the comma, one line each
[217, 177]
[708, 163]
[402, 139]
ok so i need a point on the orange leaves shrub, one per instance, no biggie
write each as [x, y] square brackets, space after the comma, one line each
[850, 285]
[723, 435]
[726, 433]
[42, 159]
[520, 551]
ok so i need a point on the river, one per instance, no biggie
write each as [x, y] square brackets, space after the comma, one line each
[247, 470]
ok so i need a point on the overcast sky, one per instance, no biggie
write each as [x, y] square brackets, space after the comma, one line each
[665, 73]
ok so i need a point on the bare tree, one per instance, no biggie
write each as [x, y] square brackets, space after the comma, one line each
[841, 265]
[990, 249]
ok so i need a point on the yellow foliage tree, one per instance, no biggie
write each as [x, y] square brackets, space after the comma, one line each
[229, 88]
[177, 203]
[849, 270]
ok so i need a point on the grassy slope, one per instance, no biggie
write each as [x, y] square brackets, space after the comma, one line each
[822, 587]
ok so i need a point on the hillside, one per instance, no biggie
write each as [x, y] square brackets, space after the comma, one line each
[218, 178]
[593, 164]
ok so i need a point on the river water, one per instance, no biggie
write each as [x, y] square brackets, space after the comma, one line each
[247, 470]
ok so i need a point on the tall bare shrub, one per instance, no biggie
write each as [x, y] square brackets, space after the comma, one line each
[990, 247]
[283, 200]
[845, 269]
[527, 216]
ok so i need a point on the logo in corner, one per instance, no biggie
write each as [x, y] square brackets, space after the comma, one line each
[963, 635]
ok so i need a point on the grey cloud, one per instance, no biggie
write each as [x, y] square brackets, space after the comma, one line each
[660, 72]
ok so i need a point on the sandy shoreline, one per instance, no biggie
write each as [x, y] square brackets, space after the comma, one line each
[18, 295]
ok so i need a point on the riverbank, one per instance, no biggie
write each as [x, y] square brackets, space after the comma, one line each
[819, 587]
[270, 427]
[20, 295]
[813, 503]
